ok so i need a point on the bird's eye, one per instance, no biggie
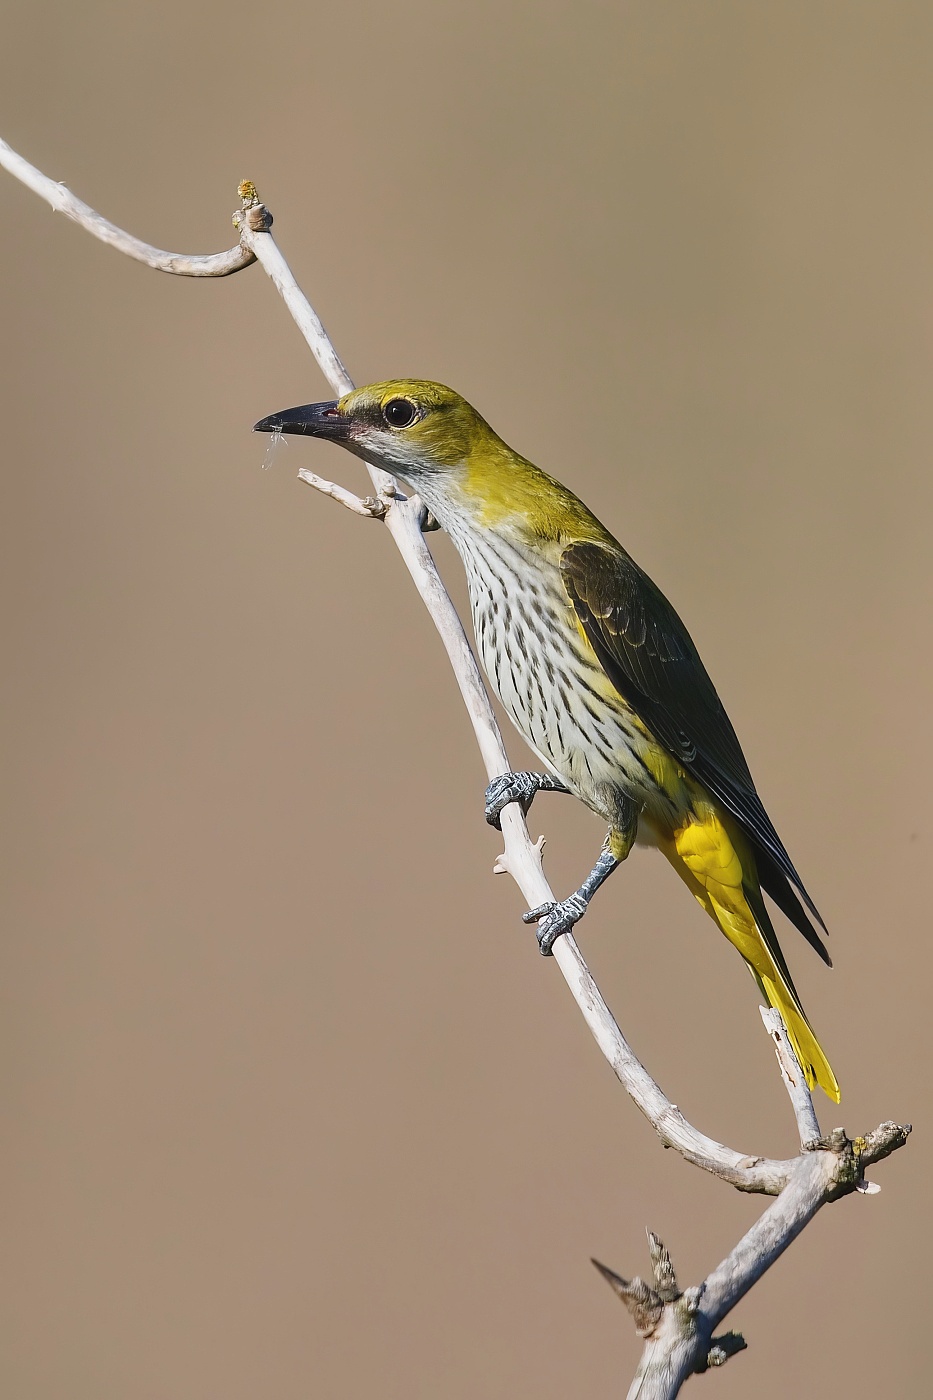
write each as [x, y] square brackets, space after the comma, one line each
[399, 413]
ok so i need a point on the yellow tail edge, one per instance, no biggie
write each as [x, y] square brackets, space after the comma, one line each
[716, 864]
[816, 1068]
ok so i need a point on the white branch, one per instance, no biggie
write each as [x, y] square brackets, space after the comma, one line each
[360, 505]
[681, 1341]
[254, 222]
[678, 1326]
[64, 202]
[794, 1082]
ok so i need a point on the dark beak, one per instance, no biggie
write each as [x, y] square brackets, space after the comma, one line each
[320, 420]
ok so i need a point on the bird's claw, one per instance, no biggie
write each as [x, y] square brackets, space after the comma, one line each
[554, 918]
[510, 787]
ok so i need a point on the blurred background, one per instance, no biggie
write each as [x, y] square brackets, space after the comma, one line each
[290, 1103]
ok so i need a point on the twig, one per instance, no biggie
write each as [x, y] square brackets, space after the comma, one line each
[678, 1327]
[794, 1082]
[369, 506]
[64, 202]
[254, 222]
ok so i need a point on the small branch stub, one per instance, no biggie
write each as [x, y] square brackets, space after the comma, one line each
[645, 1305]
[664, 1276]
[253, 214]
[668, 1321]
[373, 507]
[721, 1348]
[854, 1155]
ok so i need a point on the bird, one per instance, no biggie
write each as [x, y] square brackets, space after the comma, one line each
[598, 674]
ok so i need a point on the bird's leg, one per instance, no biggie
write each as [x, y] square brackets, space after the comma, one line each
[517, 787]
[553, 919]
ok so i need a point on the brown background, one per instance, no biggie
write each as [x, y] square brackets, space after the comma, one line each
[290, 1104]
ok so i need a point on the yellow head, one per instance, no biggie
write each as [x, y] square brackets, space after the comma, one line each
[431, 437]
[409, 426]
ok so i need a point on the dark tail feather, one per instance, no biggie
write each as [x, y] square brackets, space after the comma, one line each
[775, 883]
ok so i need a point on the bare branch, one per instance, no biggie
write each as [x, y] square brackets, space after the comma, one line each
[794, 1082]
[877, 1145]
[645, 1305]
[64, 202]
[679, 1341]
[834, 1169]
[678, 1326]
[254, 222]
[369, 506]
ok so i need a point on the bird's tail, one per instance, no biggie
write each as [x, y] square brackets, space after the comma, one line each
[719, 869]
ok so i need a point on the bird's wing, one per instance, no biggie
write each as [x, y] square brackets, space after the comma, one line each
[647, 653]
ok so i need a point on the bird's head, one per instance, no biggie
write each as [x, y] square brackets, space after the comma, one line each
[411, 427]
[431, 437]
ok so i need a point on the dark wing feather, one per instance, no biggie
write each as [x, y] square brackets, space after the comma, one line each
[650, 658]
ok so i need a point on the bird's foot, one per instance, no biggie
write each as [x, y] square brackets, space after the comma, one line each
[516, 787]
[555, 918]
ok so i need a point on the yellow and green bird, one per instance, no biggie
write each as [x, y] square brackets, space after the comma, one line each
[597, 672]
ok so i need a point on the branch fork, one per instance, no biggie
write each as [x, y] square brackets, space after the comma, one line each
[677, 1327]
[663, 1309]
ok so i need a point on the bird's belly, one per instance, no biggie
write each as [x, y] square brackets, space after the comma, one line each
[548, 679]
